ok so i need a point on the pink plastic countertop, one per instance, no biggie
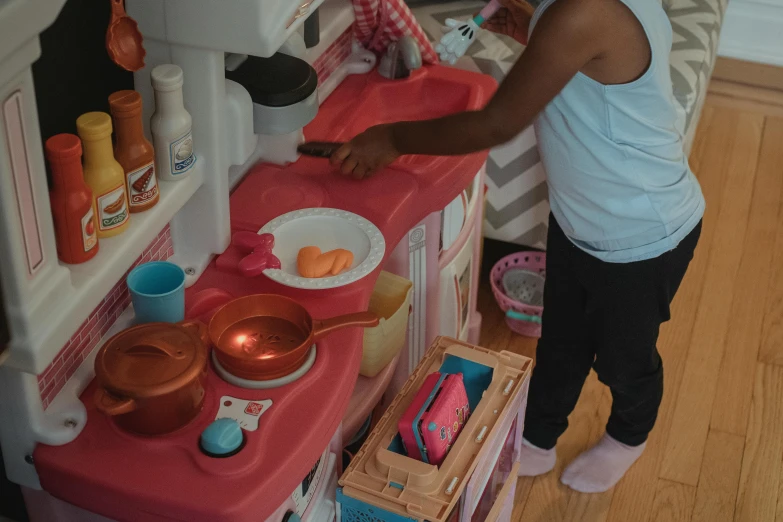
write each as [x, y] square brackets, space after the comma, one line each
[137, 479]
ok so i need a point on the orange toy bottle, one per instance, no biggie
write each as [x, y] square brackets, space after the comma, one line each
[103, 174]
[133, 151]
[73, 207]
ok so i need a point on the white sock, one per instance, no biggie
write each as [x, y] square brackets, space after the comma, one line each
[602, 466]
[535, 461]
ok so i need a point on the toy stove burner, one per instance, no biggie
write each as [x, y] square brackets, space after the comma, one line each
[263, 385]
[293, 191]
[261, 192]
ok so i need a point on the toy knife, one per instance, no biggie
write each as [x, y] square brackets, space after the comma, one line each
[319, 149]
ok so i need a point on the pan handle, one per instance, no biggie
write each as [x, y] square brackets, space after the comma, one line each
[327, 326]
[199, 328]
[111, 405]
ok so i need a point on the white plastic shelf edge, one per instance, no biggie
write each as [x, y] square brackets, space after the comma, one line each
[335, 17]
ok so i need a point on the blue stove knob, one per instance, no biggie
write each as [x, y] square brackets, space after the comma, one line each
[292, 517]
[222, 438]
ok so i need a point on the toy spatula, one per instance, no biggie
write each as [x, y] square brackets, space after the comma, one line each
[456, 42]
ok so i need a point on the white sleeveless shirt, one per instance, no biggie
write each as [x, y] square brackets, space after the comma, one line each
[619, 182]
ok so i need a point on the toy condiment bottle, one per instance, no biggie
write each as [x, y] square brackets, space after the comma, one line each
[133, 151]
[103, 174]
[73, 206]
[171, 125]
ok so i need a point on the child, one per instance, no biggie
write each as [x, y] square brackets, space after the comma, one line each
[626, 209]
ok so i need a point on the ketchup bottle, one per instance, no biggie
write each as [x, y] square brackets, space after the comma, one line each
[73, 207]
[133, 151]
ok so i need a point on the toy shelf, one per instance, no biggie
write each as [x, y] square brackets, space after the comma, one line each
[91, 281]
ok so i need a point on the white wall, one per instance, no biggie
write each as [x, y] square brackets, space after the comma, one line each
[753, 31]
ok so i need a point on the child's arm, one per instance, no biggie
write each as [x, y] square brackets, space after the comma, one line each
[569, 35]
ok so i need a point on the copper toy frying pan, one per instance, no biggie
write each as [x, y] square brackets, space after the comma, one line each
[263, 337]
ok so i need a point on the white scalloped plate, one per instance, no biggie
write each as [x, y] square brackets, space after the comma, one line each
[328, 229]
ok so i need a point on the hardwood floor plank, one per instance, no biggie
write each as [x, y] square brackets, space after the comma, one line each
[716, 495]
[633, 497]
[761, 464]
[746, 320]
[771, 351]
[673, 502]
[685, 449]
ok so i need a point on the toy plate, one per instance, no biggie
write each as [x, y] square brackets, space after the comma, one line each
[328, 229]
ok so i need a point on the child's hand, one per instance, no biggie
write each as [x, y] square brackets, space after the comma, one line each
[513, 19]
[367, 153]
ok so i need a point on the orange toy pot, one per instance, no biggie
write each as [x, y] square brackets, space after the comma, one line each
[263, 337]
[151, 377]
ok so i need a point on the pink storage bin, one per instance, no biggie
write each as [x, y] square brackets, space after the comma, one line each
[523, 318]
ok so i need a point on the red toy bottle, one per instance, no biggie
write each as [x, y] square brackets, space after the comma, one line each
[73, 207]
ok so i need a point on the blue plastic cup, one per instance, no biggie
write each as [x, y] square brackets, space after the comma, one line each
[158, 292]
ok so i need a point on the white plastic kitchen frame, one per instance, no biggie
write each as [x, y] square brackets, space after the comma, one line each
[46, 301]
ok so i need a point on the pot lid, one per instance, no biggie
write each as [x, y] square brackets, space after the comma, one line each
[151, 359]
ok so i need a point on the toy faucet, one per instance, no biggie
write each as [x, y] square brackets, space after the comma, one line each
[453, 45]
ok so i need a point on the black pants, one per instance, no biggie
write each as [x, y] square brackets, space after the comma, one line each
[604, 316]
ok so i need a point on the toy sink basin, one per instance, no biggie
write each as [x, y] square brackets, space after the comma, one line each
[431, 92]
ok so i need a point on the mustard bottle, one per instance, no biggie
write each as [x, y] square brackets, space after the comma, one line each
[103, 173]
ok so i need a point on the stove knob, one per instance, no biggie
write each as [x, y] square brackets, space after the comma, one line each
[223, 438]
[292, 517]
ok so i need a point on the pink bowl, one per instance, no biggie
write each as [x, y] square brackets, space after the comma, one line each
[535, 262]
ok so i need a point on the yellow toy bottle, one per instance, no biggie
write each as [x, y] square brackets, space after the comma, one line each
[103, 173]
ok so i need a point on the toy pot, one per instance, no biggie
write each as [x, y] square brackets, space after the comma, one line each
[264, 337]
[151, 377]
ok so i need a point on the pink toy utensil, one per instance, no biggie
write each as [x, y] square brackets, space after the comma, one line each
[259, 250]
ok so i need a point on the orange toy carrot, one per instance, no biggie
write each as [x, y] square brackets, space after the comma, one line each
[313, 264]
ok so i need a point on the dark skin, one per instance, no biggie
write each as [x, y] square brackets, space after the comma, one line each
[600, 38]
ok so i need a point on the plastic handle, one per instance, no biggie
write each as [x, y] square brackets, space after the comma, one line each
[488, 12]
[327, 326]
[117, 9]
[523, 317]
[151, 348]
[111, 405]
[198, 328]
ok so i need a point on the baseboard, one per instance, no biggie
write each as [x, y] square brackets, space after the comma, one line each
[749, 73]
[752, 31]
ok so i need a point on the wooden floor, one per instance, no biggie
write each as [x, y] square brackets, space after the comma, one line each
[716, 454]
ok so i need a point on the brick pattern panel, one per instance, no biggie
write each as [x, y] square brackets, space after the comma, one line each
[51, 381]
[334, 56]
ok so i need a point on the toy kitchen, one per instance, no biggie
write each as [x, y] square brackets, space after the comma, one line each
[237, 386]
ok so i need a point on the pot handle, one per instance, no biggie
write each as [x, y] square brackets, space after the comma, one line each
[111, 405]
[327, 326]
[199, 328]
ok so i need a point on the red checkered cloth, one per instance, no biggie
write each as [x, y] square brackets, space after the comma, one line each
[381, 22]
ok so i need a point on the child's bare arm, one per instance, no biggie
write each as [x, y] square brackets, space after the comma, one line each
[569, 35]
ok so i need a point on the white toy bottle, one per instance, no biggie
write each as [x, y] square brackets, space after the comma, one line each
[171, 125]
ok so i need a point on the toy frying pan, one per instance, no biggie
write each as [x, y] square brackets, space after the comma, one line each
[263, 337]
[124, 41]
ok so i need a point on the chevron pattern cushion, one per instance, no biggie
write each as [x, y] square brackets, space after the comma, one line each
[517, 200]
[696, 26]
